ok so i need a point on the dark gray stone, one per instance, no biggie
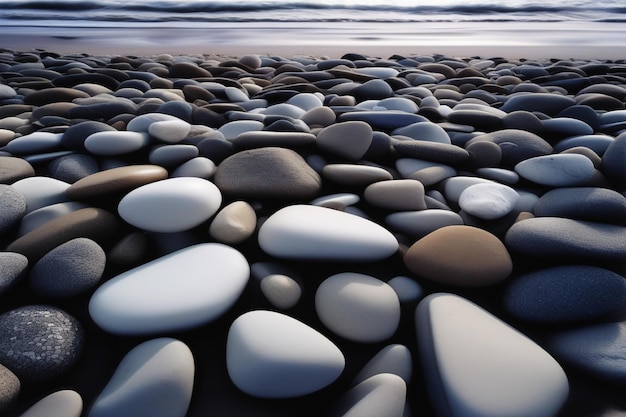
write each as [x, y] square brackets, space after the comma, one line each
[12, 207]
[583, 203]
[71, 168]
[12, 267]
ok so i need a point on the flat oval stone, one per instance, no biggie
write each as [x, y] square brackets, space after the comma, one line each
[280, 290]
[274, 173]
[73, 167]
[516, 145]
[560, 170]
[312, 232]
[9, 389]
[417, 224]
[14, 169]
[358, 307]
[583, 203]
[115, 180]
[171, 156]
[427, 172]
[170, 131]
[200, 167]
[432, 151]
[566, 294]
[558, 237]
[36, 142]
[507, 375]
[387, 120]
[12, 207]
[233, 129]
[41, 191]
[488, 201]
[392, 359]
[69, 269]
[271, 355]
[463, 256]
[381, 395]
[234, 223]
[349, 140]
[75, 135]
[266, 138]
[12, 268]
[175, 292]
[397, 195]
[43, 215]
[39, 343]
[171, 205]
[110, 143]
[60, 403]
[425, 131]
[354, 174]
[548, 103]
[154, 379]
[613, 161]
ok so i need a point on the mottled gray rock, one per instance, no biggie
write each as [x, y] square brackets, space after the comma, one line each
[12, 267]
[9, 389]
[12, 207]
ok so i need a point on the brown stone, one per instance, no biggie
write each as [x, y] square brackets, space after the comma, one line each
[14, 169]
[349, 140]
[400, 195]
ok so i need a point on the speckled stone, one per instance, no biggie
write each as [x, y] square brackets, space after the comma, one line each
[71, 168]
[69, 269]
[12, 207]
[12, 268]
[613, 164]
[39, 343]
[14, 169]
[9, 389]
[583, 203]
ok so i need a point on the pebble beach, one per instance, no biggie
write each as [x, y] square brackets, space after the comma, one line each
[277, 228]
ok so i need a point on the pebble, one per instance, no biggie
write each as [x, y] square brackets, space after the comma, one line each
[12, 207]
[355, 174]
[234, 223]
[40, 216]
[381, 395]
[71, 168]
[425, 131]
[200, 167]
[516, 145]
[155, 378]
[488, 201]
[9, 389]
[548, 103]
[417, 224]
[281, 291]
[392, 359]
[349, 140]
[12, 268]
[508, 375]
[613, 162]
[560, 170]
[272, 355]
[171, 293]
[65, 402]
[14, 169]
[36, 142]
[110, 143]
[170, 131]
[312, 232]
[172, 156]
[39, 343]
[40, 191]
[396, 195]
[583, 203]
[358, 307]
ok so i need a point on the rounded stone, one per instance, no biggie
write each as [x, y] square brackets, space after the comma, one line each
[71, 168]
[182, 290]
[272, 355]
[171, 156]
[9, 389]
[560, 170]
[548, 103]
[281, 291]
[397, 195]
[488, 201]
[154, 379]
[392, 359]
[170, 131]
[424, 131]
[583, 203]
[12, 268]
[67, 403]
[381, 395]
[171, 205]
[613, 162]
[109, 143]
[75, 135]
[41, 191]
[12, 207]
[68, 270]
[39, 343]
[462, 256]
[234, 223]
[349, 140]
[358, 307]
[355, 175]
[40, 216]
[407, 289]
[14, 169]
[516, 145]
[200, 167]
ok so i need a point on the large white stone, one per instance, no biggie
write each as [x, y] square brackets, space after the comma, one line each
[392, 359]
[66, 403]
[382, 395]
[488, 201]
[154, 379]
[109, 143]
[184, 289]
[560, 170]
[312, 232]
[34, 143]
[171, 205]
[477, 365]
[358, 307]
[170, 131]
[272, 355]
[41, 191]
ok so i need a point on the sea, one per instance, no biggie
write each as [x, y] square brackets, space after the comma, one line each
[570, 26]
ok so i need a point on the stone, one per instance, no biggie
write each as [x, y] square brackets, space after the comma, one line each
[68, 270]
[281, 291]
[516, 145]
[345, 199]
[463, 256]
[548, 103]
[40, 216]
[171, 156]
[426, 172]
[349, 140]
[71, 168]
[381, 395]
[488, 201]
[170, 205]
[200, 167]
[9, 389]
[559, 170]
[41, 191]
[566, 238]
[109, 143]
[613, 162]
[115, 180]
[507, 375]
[36, 142]
[272, 355]
[53, 95]
[483, 154]
[355, 174]
[397, 195]
[39, 343]
[75, 135]
[385, 121]
[175, 292]
[417, 224]
[392, 359]
[266, 138]
[155, 378]
[504, 176]
[455, 186]
[583, 203]
[12, 268]
[233, 129]
[432, 151]
[267, 173]
[358, 307]
[14, 169]
[424, 131]
[170, 131]
[312, 232]
[12, 207]
[407, 289]
[597, 143]
[566, 294]
[129, 251]
[67, 403]
[234, 223]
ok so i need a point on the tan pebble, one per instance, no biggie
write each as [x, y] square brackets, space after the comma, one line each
[234, 223]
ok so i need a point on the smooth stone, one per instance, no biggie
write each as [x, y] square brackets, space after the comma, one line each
[171, 156]
[53, 95]
[560, 170]
[432, 151]
[597, 143]
[601, 205]
[566, 294]
[36, 142]
[345, 199]
[272, 355]
[319, 117]
[233, 129]
[383, 120]
[170, 131]
[172, 293]
[93, 223]
[407, 289]
[392, 359]
[598, 350]
[6, 92]
[358, 307]
[425, 131]
[613, 162]
[501, 175]
[354, 174]
[566, 126]
[281, 291]
[66, 403]
[40, 216]
[170, 205]
[427, 172]
[200, 167]
[381, 395]
[417, 224]
[14, 169]
[39, 343]
[261, 139]
[115, 180]
[372, 89]
[398, 103]
[234, 223]
[74, 137]
[488, 201]
[9, 389]
[154, 379]
[12, 207]
[516, 145]
[397, 195]
[141, 123]
[68, 270]
[462, 256]
[312, 232]
[71, 168]
[267, 173]
[453, 187]
[12, 268]
[41, 191]
[349, 140]
[566, 238]
[469, 372]
[234, 94]
[110, 143]
[483, 154]
[548, 103]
